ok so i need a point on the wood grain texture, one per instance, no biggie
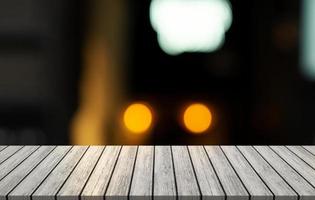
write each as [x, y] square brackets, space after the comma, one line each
[164, 180]
[305, 155]
[100, 177]
[72, 188]
[141, 185]
[120, 182]
[2, 147]
[25, 188]
[310, 149]
[256, 188]
[187, 186]
[210, 186]
[51, 185]
[7, 152]
[8, 165]
[297, 182]
[21, 171]
[232, 185]
[276, 184]
[301, 167]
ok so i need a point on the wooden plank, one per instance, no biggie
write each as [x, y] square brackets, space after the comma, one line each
[2, 147]
[232, 185]
[98, 182]
[8, 165]
[164, 181]
[141, 185]
[254, 185]
[276, 184]
[7, 152]
[192, 172]
[297, 163]
[304, 154]
[76, 181]
[21, 171]
[208, 181]
[298, 183]
[187, 186]
[51, 185]
[24, 190]
[119, 185]
[310, 149]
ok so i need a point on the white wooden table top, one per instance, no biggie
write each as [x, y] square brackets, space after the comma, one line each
[159, 172]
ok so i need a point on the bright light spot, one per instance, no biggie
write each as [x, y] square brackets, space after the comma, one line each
[197, 118]
[308, 40]
[138, 118]
[190, 25]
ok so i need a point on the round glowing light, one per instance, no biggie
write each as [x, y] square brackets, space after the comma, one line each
[197, 118]
[138, 118]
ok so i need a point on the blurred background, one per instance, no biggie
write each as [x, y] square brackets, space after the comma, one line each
[157, 72]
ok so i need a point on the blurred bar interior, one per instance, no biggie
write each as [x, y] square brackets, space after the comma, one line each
[157, 72]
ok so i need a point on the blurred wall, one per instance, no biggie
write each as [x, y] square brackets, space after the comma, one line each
[39, 66]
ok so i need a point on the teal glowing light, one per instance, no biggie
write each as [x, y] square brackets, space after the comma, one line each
[308, 40]
[190, 25]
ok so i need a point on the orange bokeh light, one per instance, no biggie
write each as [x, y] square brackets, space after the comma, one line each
[197, 118]
[138, 118]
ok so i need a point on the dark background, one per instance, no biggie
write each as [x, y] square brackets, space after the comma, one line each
[253, 84]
